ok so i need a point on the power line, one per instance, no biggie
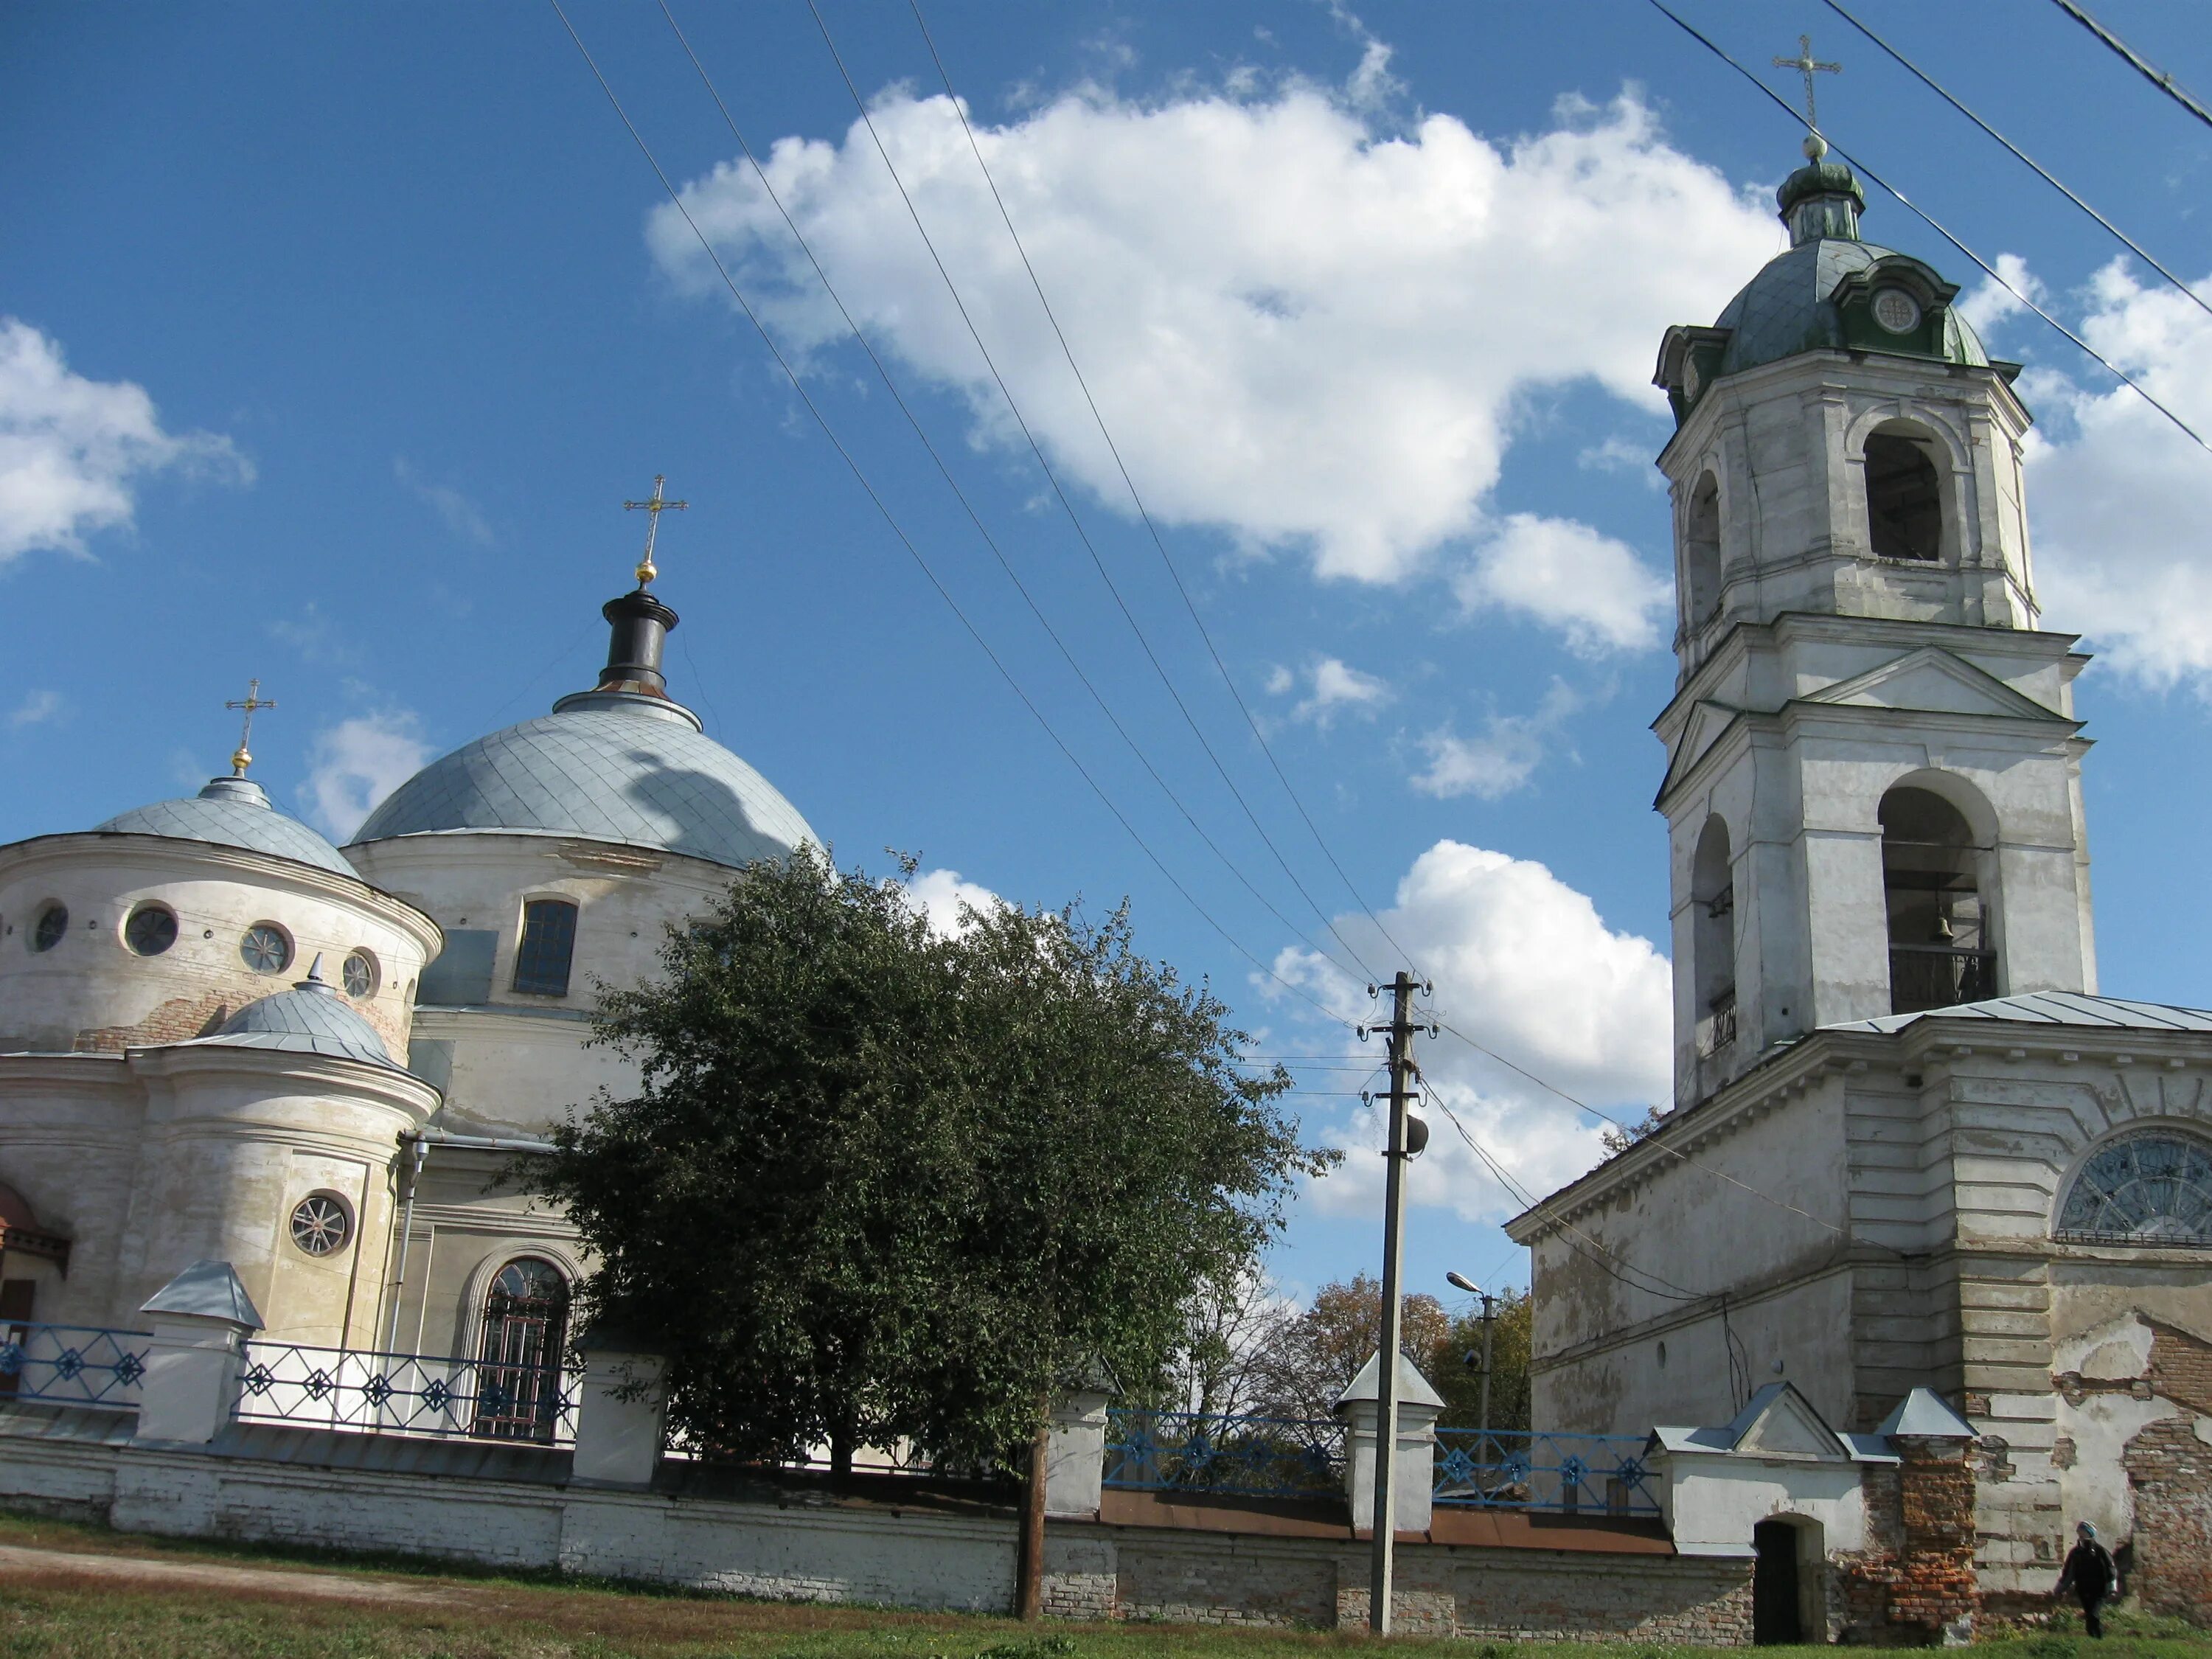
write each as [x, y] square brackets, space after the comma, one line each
[906, 541]
[1060, 493]
[2132, 246]
[883, 373]
[2157, 77]
[1143, 512]
[1935, 225]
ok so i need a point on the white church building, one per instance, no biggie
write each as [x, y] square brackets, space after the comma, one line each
[1911, 1144]
[224, 1038]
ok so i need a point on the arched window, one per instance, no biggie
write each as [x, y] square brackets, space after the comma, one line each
[1712, 900]
[526, 1333]
[548, 944]
[2152, 1187]
[1904, 497]
[1701, 552]
[1941, 953]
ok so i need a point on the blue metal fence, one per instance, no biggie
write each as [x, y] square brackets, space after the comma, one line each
[71, 1364]
[407, 1393]
[1516, 1469]
[1193, 1451]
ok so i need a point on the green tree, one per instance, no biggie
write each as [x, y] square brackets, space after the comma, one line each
[1460, 1383]
[1314, 1356]
[876, 1183]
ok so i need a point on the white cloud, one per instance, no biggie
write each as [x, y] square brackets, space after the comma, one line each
[461, 515]
[1503, 759]
[1991, 302]
[72, 449]
[1591, 588]
[1304, 333]
[36, 709]
[940, 894]
[2116, 500]
[358, 763]
[1524, 965]
[1337, 688]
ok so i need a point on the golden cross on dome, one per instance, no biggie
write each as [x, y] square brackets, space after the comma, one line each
[646, 570]
[242, 759]
[1807, 66]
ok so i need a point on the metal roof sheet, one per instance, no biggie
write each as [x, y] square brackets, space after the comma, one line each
[631, 774]
[231, 813]
[2051, 1008]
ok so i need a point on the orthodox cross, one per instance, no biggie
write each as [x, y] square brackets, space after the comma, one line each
[646, 570]
[254, 700]
[1806, 65]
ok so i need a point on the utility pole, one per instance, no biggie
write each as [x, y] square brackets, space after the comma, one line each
[1408, 1137]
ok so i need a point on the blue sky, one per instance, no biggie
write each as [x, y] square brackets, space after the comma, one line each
[338, 335]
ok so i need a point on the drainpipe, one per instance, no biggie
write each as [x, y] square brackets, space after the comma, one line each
[423, 1138]
[406, 1231]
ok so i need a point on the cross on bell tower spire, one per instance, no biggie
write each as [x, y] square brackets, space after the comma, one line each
[241, 758]
[653, 508]
[1807, 66]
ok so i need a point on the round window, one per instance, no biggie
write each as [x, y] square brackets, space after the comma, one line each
[360, 974]
[53, 922]
[321, 1224]
[1896, 311]
[1689, 381]
[151, 930]
[265, 949]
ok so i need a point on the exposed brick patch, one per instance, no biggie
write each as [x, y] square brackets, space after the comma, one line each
[178, 1020]
[1914, 1580]
[2169, 1466]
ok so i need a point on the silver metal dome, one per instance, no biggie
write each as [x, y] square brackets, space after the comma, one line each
[231, 813]
[608, 765]
[1786, 308]
[310, 1018]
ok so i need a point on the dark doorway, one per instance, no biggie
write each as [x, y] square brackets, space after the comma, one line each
[1774, 1603]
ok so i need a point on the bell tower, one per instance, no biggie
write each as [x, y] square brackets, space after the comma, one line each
[1873, 787]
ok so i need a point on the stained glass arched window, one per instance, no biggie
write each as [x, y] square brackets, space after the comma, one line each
[2150, 1187]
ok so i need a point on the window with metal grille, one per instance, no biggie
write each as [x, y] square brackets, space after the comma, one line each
[549, 941]
[526, 1332]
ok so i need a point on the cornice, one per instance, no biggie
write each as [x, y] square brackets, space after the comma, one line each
[1783, 1078]
[311, 1073]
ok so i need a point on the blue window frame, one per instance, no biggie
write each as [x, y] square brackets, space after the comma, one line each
[549, 943]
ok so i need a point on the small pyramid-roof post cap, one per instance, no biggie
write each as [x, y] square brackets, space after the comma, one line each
[1924, 1415]
[206, 1289]
[1413, 1388]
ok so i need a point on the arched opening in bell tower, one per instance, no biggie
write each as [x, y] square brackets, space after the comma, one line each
[1903, 494]
[1942, 951]
[1712, 898]
[1701, 552]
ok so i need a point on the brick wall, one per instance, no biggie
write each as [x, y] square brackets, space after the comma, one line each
[1093, 1570]
[178, 1020]
[2169, 1467]
[1914, 1580]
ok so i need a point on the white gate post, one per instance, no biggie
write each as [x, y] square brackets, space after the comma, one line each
[200, 1320]
[1418, 1406]
[622, 1414]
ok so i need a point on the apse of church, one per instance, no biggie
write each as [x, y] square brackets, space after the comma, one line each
[1911, 1144]
[224, 1038]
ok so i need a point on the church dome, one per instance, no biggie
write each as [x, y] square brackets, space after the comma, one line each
[622, 762]
[1816, 296]
[231, 813]
[310, 1018]
[1789, 307]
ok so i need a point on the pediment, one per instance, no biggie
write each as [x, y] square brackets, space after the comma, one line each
[1780, 1422]
[1703, 729]
[1933, 680]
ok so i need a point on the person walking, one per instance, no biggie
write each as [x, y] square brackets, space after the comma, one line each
[2091, 1574]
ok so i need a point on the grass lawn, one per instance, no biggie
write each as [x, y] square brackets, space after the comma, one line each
[297, 1604]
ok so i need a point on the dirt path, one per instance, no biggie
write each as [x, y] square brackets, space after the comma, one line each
[17, 1561]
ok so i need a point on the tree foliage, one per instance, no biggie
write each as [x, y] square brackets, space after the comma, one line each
[1246, 1350]
[878, 1182]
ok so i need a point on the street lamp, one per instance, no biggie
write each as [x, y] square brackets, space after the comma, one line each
[1460, 1281]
